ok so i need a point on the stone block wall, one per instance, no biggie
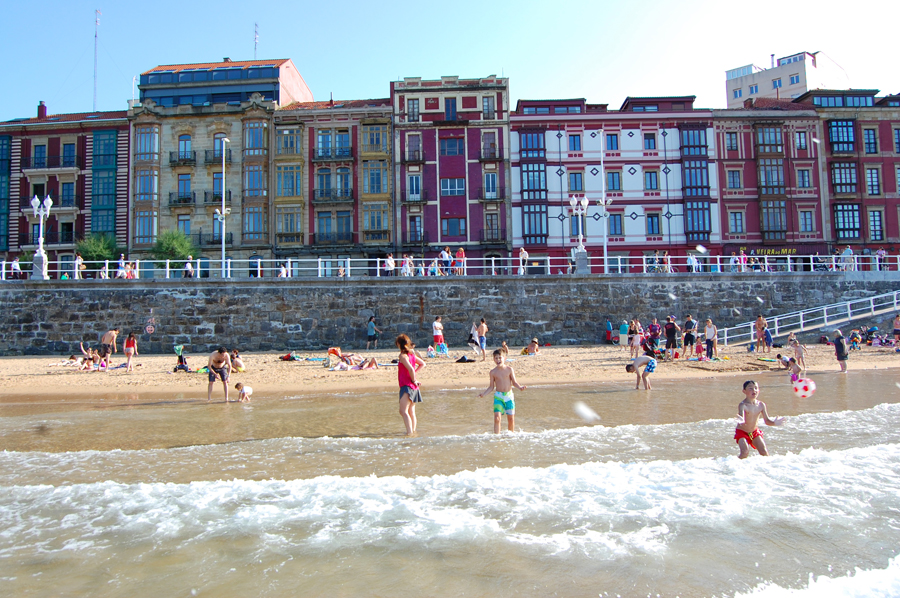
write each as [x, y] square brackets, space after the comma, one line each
[51, 317]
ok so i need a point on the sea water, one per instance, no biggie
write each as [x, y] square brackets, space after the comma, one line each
[300, 495]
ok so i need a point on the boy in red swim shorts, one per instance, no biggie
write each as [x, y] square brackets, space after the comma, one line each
[747, 434]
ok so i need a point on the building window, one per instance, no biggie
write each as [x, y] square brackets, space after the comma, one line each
[487, 108]
[800, 137]
[375, 176]
[254, 181]
[289, 224]
[323, 182]
[731, 142]
[289, 142]
[612, 142]
[449, 108]
[615, 225]
[754, 89]
[576, 182]
[649, 141]
[795, 79]
[846, 221]
[415, 229]
[414, 187]
[103, 191]
[574, 143]
[873, 181]
[695, 178]
[870, 142]
[288, 180]
[841, 136]
[255, 222]
[145, 227]
[534, 223]
[453, 227]
[489, 145]
[453, 187]
[614, 181]
[769, 140]
[184, 147]
[738, 93]
[771, 176]
[254, 139]
[697, 220]
[219, 145]
[646, 108]
[145, 181]
[803, 179]
[489, 191]
[693, 142]
[452, 147]
[375, 138]
[776, 83]
[412, 110]
[734, 179]
[536, 110]
[897, 141]
[184, 188]
[184, 224]
[104, 151]
[146, 143]
[773, 220]
[653, 224]
[534, 181]
[576, 224]
[876, 225]
[807, 221]
[736, 223]
[375, 218]
[843, 177]
[532, 145]
[651, 180]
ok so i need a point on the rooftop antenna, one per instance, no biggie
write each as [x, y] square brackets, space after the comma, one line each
[255, 38]
[96, 30]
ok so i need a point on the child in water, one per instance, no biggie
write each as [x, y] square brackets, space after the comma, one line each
[747, 434]
[245, 392]
[502, 379]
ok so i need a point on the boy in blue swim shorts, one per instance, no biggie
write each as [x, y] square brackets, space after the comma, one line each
[649, 365]
[502, 380]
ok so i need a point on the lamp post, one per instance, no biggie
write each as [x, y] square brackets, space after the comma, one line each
[220, 216]
[579, 209]
[39, 263]
[604, 202]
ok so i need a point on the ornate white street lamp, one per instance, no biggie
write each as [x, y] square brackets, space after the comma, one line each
[39, 263]
[220, 216]
[579, 210]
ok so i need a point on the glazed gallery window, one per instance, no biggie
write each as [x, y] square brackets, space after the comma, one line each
[254, 223]
[532, 145]
[736, 223]
[843, 177]
[453, 227]
[453, 187]
[807, 221]
[697, 220]
[288, 180]
[695, 178]
[375, 138]
[769, 140]
[105, 143]
[452, 147]
[771, 176]
[145, 182]
[289, 224]
[145, 227]
[289, 142]
[375, 216]
[615, 225]
[734, 179]
[842, 136]
[773, 220]
[846, 221]
[534, 223]
[146, 143]
[254, 181]
[254, 138]
[375, 176]
[534, 181]
[693, 142]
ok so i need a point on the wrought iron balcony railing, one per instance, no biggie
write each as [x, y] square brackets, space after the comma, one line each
[492, 235]
[215, 156]
[332, 238]
[205, 239]
[38, 162]
[419, 197]
[182, 158]
[332, 153]
[181, 198]
[215, 197]
[332, 195]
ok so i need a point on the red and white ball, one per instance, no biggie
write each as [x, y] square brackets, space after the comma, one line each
[804, 388]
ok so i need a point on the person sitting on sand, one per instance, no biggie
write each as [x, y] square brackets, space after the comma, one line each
[533, 348]
[367, 364]
[236, 362]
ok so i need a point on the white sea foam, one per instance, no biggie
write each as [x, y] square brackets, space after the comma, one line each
[861, 584]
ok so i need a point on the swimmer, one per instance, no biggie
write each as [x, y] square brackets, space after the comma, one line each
[649, 364]
[747, 434]
[244, 392]
[502, 380]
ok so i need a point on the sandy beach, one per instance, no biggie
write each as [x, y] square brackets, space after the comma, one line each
[266, 373]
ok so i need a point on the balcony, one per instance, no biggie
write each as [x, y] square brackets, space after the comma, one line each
[492, 236]
[414, 156]
[488, 115]
[287, 150]
[530, 239]
[420, 197]
[182, 158]
[146, 157]
[46, 162]
[416, 237]
[182, 198]
[332, 195]
[332, 238]
[67, 201]
[324, 154]
[495, 194]
[288, 238]
[375, 148]
[254, 238]
[207, 240]
[53, 238]
[490, 154]
[215, 156]
[376, 236]
[215, 198]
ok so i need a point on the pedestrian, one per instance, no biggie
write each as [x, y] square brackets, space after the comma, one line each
[16, 270]
[880, 256]
[189, 267]
[482, 339]
[710, 334]
[389, 265]
[523, 260]
[624, 335]
[219, 367]
[840, 350]
[460, 261]
[760, 325]
[408, 366]
[78, 267]
[672, 329]
[502, 381]
[437, 330]
[847, 260]
[130, 349]
[372, 333]
[446, 269]
[655, 330]
[108, 346]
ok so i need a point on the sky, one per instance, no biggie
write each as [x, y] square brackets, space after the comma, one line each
[599, 50]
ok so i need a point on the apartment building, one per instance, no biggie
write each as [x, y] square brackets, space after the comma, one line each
[451, 144]
[81, 161]
[654, 159]
[788, 78]
[333, 194]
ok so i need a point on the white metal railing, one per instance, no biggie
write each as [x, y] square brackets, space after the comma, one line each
[207, 268]
[813, 318]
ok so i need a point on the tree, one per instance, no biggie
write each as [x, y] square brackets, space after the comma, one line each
[98, 247]
[173, 245]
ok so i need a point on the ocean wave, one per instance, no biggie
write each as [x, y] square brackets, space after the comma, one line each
[861, 584]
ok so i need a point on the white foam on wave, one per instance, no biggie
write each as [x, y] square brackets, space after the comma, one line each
[861, 584]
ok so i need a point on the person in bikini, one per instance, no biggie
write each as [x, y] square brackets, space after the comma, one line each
[219, 367]
[502, 380]
[747, 434]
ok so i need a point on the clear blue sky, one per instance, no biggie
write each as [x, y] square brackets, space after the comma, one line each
[596, 49]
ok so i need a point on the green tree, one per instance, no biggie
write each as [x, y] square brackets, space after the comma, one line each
[173, 245]
[98, 247]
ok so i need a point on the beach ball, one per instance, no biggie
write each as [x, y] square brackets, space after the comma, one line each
[804, 388]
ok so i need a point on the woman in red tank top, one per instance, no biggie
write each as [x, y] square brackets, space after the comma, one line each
[407, 367]
[130, 351]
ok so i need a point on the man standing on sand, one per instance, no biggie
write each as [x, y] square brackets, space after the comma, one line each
[108, 345]
[219, 366]
[482, 339]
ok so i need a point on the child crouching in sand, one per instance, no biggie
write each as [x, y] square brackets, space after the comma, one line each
[502, 379]
[245, 392]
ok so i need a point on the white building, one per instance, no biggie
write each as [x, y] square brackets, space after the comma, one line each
[788, 78]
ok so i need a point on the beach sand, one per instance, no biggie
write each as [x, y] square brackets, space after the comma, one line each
[266, 373]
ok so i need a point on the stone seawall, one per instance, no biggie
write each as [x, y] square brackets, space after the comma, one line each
[40, 317]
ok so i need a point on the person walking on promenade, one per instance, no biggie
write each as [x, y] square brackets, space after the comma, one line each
[523, 261]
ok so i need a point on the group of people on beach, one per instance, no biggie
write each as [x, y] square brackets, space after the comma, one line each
[100, 358]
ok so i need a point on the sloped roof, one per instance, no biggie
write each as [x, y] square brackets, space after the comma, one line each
[325, 104]
[174, 68]
[75, 117]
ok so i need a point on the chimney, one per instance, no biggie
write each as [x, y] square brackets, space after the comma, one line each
[773, 61]
[226, 59]
[42, 110]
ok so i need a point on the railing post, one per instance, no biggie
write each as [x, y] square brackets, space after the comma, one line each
[766, 262]
[377, 267]
[137, 268]
[167, 268]
[320, 268]
[3, 271]
[789, 264]
[801, 321]
[259, 268]
[548, 268]
[872, 306]
[644, 263]
[348, 268]
[493, 267]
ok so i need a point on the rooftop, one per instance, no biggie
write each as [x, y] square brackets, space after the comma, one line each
[205, 66]
[326, 104]
[68, 118]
